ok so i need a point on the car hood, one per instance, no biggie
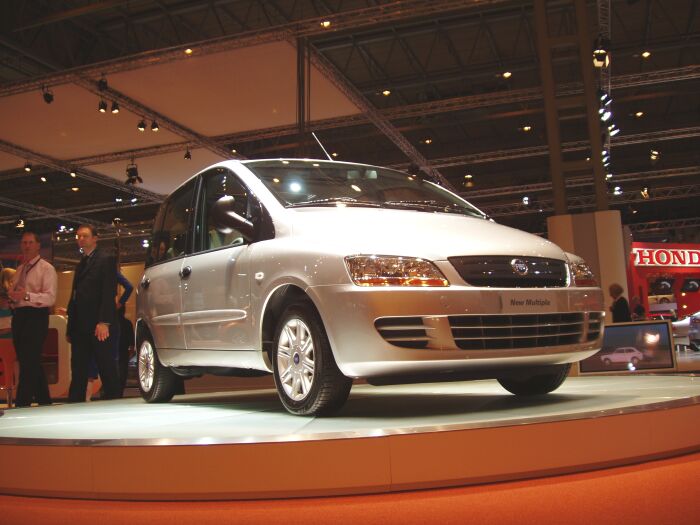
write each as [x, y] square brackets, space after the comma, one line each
[434, 236]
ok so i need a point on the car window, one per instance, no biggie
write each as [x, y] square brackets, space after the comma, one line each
[170, 235]
[211, 231]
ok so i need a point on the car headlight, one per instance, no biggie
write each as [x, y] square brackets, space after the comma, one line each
[582, 274]
[387, 270]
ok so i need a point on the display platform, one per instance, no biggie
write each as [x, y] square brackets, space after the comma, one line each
[244, 445]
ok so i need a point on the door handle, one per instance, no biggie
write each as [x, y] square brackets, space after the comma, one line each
[185, 272]
[145, 282]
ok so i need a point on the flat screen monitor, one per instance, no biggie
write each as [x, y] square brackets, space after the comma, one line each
[633, 348]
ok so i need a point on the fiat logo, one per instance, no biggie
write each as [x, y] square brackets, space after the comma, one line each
[519, 266]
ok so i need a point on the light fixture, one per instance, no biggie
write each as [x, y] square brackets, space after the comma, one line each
[644, 192]
[234, 150]
[188, 155]
[526, 200]
[617, 190]
[527, 128]
[601, 52]
[47, 94]
[468, 181]
[118, 200]
[141, 126]
[605, 114]
[27, 167]
[654, 155]
[334, 154]
[639, 114]
[132, 174]
[326, 24]
[613, 130]
[43, 179]
[428, 141]
[188, 51]
[115, 108]
[20, 223]
[507, 74]
[386, 92]
[134, 200]
[605, 99]
[154, 126]
[73, 174]
[75, 188]
[608, 176]
[646, 54]
[102, 106]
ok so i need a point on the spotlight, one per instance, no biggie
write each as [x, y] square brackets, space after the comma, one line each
[639, 114]
[75, 188]
[507, 74]
[27, 167]
[234, 150]
[468, 181]
[386, 92]
[428, 141]
[47, 94]
[601, 53]
[654, 155]
[134, 200]
[646, 54]
[326, 24]
[527, 128]
[613, 130]
[605, 99]
[608, 176]
[605, 114]
[154, 126]
[617, 190]
[20, 223]
[73, 174]
[526, 200]
[188, 51]
[43, 179]
[132, 174]
[644, 192]
[188, 155]
[102, 84]
[102, 107]
[141, 126]
[115, 108]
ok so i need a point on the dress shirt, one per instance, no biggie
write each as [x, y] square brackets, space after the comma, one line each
[40, 282]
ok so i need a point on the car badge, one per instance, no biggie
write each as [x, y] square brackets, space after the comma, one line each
[520, 267]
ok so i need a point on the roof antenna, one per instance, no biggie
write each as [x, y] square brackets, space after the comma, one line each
[324, 149]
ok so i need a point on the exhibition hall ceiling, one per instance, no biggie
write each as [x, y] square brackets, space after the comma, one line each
[453, 86]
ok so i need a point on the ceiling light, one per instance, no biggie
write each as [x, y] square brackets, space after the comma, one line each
[188, 155]
[608, 176]
[132, 174]
[27, 167]
[43, 179]
[617, 190]
[601, 52]
[75, 188]
[605, 99]
[73, 174]
[47, 94]
[326, 24]
[507, 74]
[115, 108]
[102, 107]
[386, 92]
[154, 126]
[233, 150]
[428, 141]
[604, 114]
[134, 200]
[20, 223]
[334, 154]
[527, 128]
[468, 181]
[188, 51]
[526, 200]
[646, 54]
[644, 192]
[118, 199]
[141, 126]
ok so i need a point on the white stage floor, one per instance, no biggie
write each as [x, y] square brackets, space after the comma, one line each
[258, 417]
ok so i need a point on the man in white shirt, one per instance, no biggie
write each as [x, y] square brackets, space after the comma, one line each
[32, 295]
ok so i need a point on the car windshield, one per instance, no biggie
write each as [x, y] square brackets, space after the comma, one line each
[301, 183]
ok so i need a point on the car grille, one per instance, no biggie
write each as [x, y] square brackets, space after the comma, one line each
[406, 332]
[485, 332]
[595, 322]
[496, 271]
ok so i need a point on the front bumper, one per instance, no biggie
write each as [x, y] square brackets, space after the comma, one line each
[535, 327]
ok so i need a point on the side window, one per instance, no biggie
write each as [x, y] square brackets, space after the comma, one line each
[170, 236]
[157, 227]
[211, 233]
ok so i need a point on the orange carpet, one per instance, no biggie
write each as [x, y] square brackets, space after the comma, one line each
[654, 493]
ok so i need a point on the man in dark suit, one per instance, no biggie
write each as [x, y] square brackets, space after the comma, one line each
[91, 312]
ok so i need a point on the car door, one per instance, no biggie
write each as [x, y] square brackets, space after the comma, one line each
[160, 287]
[216, 282]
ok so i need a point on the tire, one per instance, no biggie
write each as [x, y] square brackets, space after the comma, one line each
[540, 382]
[157, 383]
[606, 362]
[308, 380]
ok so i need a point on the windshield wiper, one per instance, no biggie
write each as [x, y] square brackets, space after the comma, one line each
[350, 201]
[433, 205]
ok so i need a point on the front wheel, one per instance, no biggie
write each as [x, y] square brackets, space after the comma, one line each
[157, 383]
[307, 377]
[536, 383]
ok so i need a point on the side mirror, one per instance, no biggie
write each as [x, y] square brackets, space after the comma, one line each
[225, 219]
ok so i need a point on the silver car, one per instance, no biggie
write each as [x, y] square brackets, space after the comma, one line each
[320, 272]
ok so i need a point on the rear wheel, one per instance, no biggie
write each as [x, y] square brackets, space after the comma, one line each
[307, 377]
[541, 381]
[157, 383]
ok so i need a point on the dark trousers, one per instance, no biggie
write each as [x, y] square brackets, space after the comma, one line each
[29, 329]
[84, 347]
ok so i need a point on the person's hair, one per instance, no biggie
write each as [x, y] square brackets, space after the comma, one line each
[616, 290]
[6, 276]
[91, 227]
[33, 234]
